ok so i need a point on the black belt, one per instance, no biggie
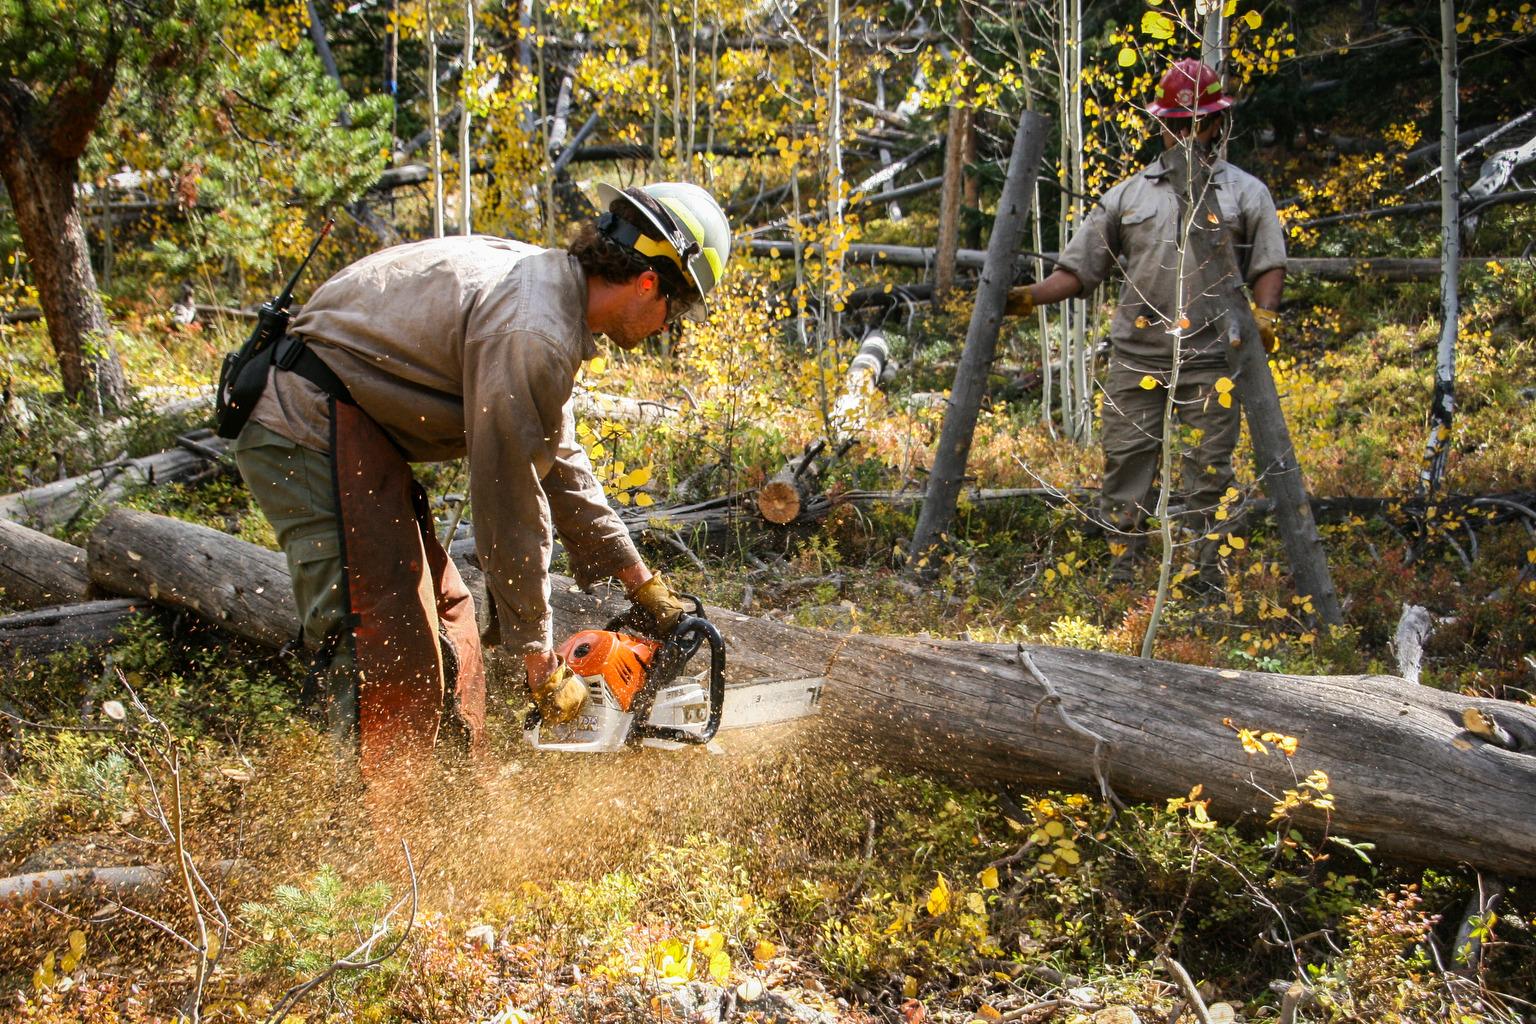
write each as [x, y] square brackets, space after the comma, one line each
[293, 354]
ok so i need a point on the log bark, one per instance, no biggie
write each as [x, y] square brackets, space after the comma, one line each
[1404, 773]
[37, 570]
[60, 502]
[49, 630]
[237, 586]
[954, 449]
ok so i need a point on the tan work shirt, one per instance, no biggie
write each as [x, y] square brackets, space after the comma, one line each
[470, 346]
[1136, 228]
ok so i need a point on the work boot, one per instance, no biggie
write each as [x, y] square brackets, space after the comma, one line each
[1125, 567]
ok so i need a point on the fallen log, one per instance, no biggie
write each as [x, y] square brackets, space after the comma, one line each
[37, 570]
[1339, 268]
[46, 631]
[242, 588]
[787, 493]
[617, 408]
[1403, 772]
[63, 500]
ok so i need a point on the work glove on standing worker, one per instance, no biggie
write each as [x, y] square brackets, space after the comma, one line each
[1269, 328]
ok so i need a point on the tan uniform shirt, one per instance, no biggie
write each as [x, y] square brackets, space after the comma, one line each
[470, 346]
[1136, 228]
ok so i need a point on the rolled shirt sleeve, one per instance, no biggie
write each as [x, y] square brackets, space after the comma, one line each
[1090, 255]
[1265, 234]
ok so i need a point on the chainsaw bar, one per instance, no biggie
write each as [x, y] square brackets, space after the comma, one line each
[771, 701]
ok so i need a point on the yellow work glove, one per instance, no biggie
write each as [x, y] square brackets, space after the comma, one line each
[657, 598]
[1269, 328]
[1021, 301]
[560, 696]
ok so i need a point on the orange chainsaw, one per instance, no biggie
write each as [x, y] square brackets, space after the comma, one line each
[634, 694]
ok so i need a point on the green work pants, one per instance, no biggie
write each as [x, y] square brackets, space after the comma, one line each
[292, 484]
[1133, 452]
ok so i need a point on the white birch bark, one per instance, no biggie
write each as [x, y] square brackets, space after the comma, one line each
[467, 83]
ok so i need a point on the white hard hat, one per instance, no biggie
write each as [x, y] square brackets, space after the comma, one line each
[692, 232]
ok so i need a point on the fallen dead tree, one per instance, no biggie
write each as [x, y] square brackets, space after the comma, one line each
[64, 500]
[1403, 772]
[37, 570]
[49, 630]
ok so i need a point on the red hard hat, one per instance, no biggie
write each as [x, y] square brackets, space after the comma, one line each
[1189, 89]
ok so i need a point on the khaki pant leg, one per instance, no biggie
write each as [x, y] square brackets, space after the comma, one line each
[292, 484]
[1133, 440]
[1205, 467]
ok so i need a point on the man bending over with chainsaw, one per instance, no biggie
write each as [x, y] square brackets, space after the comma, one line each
[449, 348]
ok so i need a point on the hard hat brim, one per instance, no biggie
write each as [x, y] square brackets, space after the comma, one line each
[1213, 106]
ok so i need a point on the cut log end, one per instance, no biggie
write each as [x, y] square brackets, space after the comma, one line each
[779, 502]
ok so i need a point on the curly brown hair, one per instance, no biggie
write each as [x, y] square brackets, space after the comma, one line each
[600, 256]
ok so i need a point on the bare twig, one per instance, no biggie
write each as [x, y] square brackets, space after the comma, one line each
[1187, 988]
[1101, 746]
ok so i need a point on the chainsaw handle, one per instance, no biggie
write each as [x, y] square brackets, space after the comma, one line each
[696, 628]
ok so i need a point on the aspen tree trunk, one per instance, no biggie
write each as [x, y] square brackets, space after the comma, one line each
[893, 209]
[1442, 410]
[467, 85]
[836, 207]
[434, 125]
[954, 179]
[954, 449]
[1080, 428]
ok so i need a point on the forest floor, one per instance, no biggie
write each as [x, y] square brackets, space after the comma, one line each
[776, 882]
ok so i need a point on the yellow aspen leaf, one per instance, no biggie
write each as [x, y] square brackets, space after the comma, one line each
[1143, 322]
[77, 943]
[1237, 542]
[1224, 400]
[1254, 19]
[597, 365]
[1127, 57]
[1229, 8]
[1068, 855]
[989, 1012]
[938, 899]
[720, 967]
[975, 904]
[989, 878]
[909, 987]
[1148, 382]
[764, 951]
[1225, 551]
[1156, 25]
[709, 940]
[643, 500]
[640, 477]
[624, 498]
[1055, 829]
